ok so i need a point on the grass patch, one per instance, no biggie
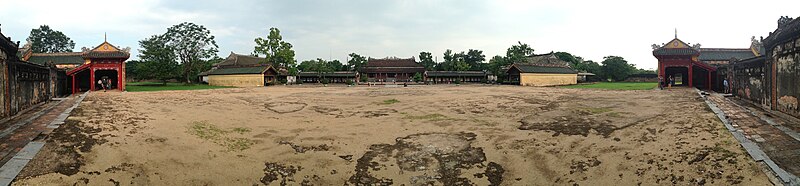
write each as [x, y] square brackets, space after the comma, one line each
[429, 117]
[616, 85]
[597, 110]
[219, 136]
[206, 131]
[153, 86]
[614, 115]
[389, 102]
[241, 130]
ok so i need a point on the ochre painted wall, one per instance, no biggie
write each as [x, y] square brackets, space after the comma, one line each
[237, 80]
[537, 79]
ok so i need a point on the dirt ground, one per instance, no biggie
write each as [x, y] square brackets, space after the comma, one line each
[440, 135]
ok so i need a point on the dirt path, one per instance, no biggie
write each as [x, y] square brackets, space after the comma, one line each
[441, 135]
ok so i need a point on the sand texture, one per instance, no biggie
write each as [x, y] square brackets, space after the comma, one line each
[439, 135]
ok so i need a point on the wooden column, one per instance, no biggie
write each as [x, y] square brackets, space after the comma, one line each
[708, 86]
[121, 74]
[74, 90]
[690, 74]
[91, 79]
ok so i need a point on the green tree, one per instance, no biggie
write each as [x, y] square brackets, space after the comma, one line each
[132, 69]
[447, 64]
[192, 44]
[158, 60]
[426, 59]
[336, 65]
[475, 59]
[574, 61]
[321, 67]
[616, 68]
[417, 77]
[277, 52]
[496, 65]
[356, 61]
[518, 53]
[46, 40]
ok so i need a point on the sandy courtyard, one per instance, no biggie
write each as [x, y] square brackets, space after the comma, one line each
[440, 135]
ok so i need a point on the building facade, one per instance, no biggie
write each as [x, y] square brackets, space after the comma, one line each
[447, 77]
[104, 62]
[782, 67]
[391, 69]
[242, 71]
[331, 77]
[542, 70]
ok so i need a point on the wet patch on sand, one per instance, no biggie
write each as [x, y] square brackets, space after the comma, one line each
[427, 158]
[69, 142]
[570, 125]
[303, 149]
[285, 107]
[275, 171]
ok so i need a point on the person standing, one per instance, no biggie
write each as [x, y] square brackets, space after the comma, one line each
[725, 86]
[100, 83]
[660, 83]
[671, 82]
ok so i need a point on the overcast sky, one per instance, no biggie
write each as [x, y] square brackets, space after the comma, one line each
[335, 28]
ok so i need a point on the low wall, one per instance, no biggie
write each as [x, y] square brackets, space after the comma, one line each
[536, 79]
[237, 80]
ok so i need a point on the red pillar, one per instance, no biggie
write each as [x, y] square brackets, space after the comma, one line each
[708, 86]
[690, 74]
[91, 79]
[120, 77]
[74, 90]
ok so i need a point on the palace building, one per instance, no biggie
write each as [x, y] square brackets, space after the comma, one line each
[391, 69]
[85, 68]
[242, 71]
[542, 70]
[704, 68]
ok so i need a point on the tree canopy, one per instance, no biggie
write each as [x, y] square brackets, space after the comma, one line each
[356, 61]
[46, 40]
[192, 44]
[276, 51]
[158, 60]
[617, 68]
[519, 52]
[426, 60]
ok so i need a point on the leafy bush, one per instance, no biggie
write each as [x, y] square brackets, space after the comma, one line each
[364, 78]
[325, 81]
[350, 82]
[283, 81]
[457, 81]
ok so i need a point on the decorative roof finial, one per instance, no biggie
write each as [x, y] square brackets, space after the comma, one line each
[105, 36]
[676, 33]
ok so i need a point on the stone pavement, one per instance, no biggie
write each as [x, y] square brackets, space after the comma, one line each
[21, 137]
[764, 133]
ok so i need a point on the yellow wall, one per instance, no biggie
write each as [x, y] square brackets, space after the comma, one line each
[537, 79]
[237, 80]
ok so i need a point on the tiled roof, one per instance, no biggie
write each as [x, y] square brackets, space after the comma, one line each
[99, 54]
[242, 60]
[455, 73]
[545, 60]
[239, 70]
[328, 74]
[750, 62]
[8, 46]
[392, 62]
[675, 51]
[524, 68]
[57, 58]
[783, 33]
[724, 54]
